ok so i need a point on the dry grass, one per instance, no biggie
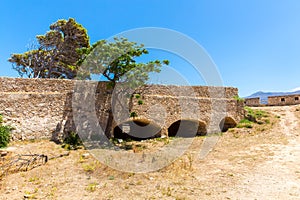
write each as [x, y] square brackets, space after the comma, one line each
[79, 175]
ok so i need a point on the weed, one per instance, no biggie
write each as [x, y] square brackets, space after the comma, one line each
[31, 195]
[133, 114]
[140, 102]
[34, 180]
[245, 123]
[91, 187]
[167, 191]
[4, 136]
[4, 133]
[166, 140]
[239, 99]
[81, 159]
[253, 115]
[53, 190]
[89, 167]
[72, 141]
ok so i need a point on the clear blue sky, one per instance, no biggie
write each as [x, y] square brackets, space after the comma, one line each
[254, 43]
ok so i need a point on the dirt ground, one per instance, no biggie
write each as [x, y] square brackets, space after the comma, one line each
[262, 162]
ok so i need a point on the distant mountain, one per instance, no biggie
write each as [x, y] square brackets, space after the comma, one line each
[264, 95]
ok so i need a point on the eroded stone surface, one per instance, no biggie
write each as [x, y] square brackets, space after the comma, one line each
[44, 108]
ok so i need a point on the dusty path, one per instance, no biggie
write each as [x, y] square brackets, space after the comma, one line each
[279, 177]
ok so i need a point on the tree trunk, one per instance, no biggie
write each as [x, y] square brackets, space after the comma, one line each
[109, 124]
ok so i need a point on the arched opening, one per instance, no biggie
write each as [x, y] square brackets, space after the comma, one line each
[187, 128]
[227, 123]
[137, 130]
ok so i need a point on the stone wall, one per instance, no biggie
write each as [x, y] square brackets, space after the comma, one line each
[284, 100]
[44, 108]
[252, 101]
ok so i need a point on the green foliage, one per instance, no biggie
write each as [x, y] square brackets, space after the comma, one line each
[253, 115]
[92, 187]
[72, 141]
[239, 99]
[245, 123]
[56, 53]
[133, 114]
[4, 133]
[140, 102]
[137, 96]
[116, 61]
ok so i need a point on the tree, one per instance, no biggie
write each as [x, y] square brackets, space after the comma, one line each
[116, 61]
[56, 54]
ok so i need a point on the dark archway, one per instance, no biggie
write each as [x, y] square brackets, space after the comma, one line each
[187, 128]
[137, 130]
[227, 123]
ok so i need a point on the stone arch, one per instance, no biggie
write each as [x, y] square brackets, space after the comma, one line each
[137, 129]
[226, 123]
[187, 128]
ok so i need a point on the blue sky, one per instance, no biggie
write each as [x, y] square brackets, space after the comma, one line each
[254, 43]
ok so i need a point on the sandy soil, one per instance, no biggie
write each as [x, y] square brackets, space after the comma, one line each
[258, 163]
[278, 178]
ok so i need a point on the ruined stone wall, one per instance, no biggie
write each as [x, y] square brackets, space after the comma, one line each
[42, 108]
[209, 105]
[252, 101]
[284, 100]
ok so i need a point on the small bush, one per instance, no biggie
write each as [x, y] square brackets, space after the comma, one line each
[245, 123]
[239, 99]
[140, 102]
[260, 114]
[253, 115]
[72, 141]
[133, 114]
[4, 135]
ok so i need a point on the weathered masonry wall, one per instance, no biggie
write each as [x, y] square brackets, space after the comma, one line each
[252, 101]
[42, 108]
[284, 100]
